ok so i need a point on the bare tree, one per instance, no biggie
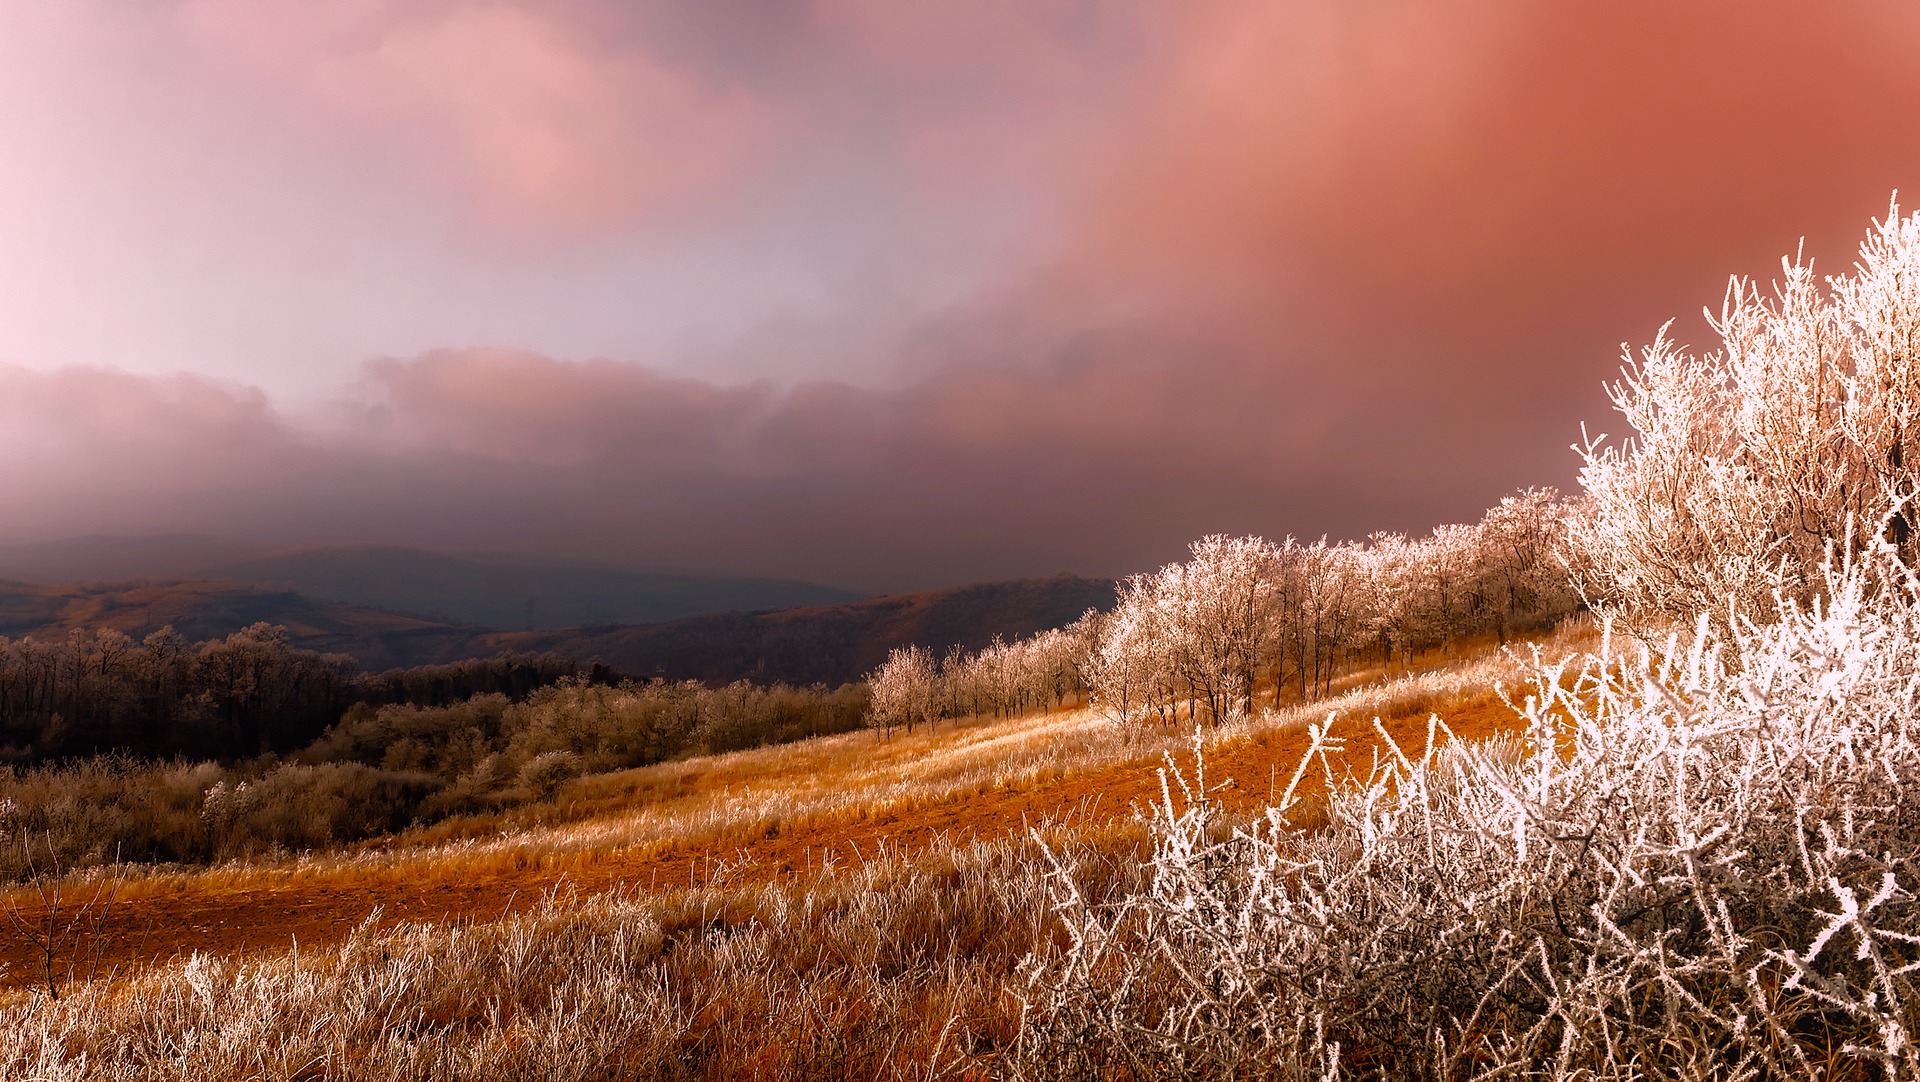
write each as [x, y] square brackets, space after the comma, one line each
[1521, 559]
[1130, 672]
[64, 925]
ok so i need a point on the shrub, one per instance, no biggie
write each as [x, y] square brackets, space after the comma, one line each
[1702, 862]
[311, 807]
[543, 775]
[1748, 462]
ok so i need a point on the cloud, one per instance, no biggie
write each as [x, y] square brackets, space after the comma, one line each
[1291, 268]
[86, 447]
[976, 471]
[520, 407]
[529, 112]
[1493, 161]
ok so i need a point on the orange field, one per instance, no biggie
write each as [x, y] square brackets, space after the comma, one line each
[775, 814]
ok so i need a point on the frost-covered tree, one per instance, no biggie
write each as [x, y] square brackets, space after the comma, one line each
[1385, 599]
[1317, 618]
[1242, 611]
[1748, 462]
[1131, 670]
[1052, 665]
[1199, 629]
[1222, 604]
[905, 689]
[1521, 568]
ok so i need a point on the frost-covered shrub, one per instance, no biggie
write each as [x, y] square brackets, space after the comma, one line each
[544, 774]
[1691, 866]
[446, 740]
[295, 806]
[1748, 462]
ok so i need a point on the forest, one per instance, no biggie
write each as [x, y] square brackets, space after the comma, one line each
[165, 752]
[250, 693]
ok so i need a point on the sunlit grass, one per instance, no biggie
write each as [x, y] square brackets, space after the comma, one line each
[780, 876]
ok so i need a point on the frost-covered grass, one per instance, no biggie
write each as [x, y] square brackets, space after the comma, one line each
[1694, 859]
[902, 966]
[886, 971]
[1699, 862]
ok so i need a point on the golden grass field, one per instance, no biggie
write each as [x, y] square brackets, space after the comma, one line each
[797, 825]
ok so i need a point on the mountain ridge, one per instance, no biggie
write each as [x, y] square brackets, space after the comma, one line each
[500, 591]
[518, 593]
[832, 644]
[829, 644]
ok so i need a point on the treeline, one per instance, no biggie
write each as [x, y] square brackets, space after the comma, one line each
[250, 693]
[1041, 672]
[164, 750]
[384, 767]
[830, 644]
[1206, 634]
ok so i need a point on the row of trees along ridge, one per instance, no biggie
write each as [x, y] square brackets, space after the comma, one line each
[1244, 613]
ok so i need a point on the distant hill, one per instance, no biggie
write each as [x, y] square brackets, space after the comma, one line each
[828, 643]
[513, 593]
[503, 593]
[122, 559]
[213, 610]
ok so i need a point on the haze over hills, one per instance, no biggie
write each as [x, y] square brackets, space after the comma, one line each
[499, 592]
[825, 643]
[829, 644]
[201, 610]
[514, 593]
[103, 558]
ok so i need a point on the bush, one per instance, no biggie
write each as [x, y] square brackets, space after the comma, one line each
[311, 807]
[447, 740]
[1703, 862]
[543, 775]
[1802, 432]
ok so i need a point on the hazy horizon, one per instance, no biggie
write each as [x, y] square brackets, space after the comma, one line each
[876, 296]
[185, 555]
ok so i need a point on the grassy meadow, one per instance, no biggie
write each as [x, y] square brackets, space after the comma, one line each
[851, 906]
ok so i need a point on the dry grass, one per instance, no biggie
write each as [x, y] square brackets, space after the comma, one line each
[759, 844]
[896, 969]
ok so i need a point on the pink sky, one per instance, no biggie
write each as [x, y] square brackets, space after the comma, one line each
[885, 295]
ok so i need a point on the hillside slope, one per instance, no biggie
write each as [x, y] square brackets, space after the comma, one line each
[212, 610]
[783, 813]
[829, 643]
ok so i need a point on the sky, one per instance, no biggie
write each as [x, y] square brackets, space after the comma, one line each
[888, 296]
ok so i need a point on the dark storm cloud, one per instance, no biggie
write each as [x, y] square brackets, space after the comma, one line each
[1329, 271]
